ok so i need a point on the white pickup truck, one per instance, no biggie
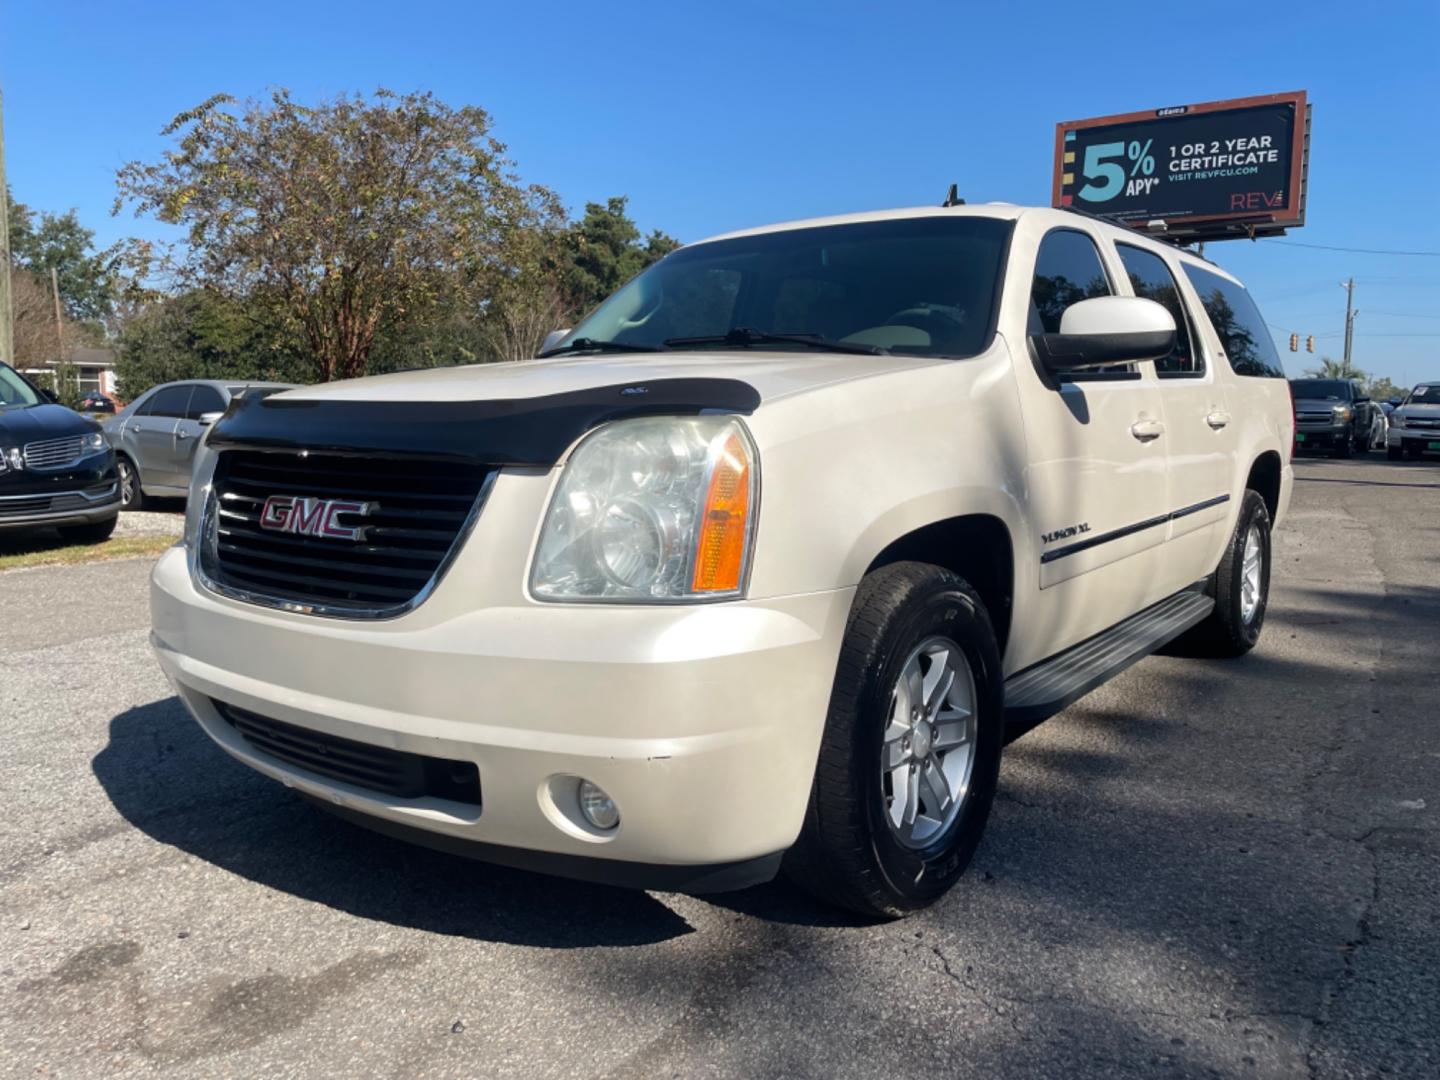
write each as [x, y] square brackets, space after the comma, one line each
[752, 568]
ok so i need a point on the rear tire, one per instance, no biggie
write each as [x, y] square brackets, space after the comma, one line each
[95, 533]
[1240, 586]
[878, 743]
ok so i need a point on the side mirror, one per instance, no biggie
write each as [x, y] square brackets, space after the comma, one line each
[1396, 400]
[205, 419]
[1361, 400]
[49, 395]
[553, 338]
[1107, 330]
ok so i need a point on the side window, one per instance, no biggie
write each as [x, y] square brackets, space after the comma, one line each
[1067, 270]
[205, 399]
[1237, 322]
[170, 401]
[1152, 280]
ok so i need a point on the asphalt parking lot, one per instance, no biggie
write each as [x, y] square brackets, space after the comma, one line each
[1203, 869]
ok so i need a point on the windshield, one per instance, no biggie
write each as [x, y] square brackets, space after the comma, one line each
[1321, 389]
[918, 286]
[1424, 394]
[15, 391]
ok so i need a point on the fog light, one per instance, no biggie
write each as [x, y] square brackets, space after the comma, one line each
[599, 809]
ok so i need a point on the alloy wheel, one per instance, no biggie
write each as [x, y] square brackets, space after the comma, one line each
[928, 750]
[1251, 567]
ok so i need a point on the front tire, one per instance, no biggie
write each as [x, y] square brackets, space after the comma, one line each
[95, 533]
[910, 756]
[1393, 453]
[1343, 447]
[131, 497]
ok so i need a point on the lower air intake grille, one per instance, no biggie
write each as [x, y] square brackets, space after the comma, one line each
[394, 523]
[375, 768]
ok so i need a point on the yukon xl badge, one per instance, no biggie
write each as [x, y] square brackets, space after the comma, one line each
[1065, 533]
[306, 516]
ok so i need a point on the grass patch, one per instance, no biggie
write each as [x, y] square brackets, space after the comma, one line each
[49, 550]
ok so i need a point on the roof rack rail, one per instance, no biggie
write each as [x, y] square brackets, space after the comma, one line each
[1174, 241]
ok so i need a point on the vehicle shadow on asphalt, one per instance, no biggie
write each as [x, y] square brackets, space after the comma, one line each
[172, 783]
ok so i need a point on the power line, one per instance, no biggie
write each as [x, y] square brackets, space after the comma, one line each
[1352, 250]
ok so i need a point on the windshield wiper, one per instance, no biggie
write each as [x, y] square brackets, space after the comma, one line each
[745, 336]
[585, 344]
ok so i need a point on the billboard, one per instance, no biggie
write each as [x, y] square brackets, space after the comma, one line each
[1222, 168]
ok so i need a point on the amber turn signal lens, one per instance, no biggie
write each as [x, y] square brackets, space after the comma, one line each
[720, 552]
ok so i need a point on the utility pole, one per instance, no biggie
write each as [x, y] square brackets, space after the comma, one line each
[59, 369]
[1350, 313]
[7, 313]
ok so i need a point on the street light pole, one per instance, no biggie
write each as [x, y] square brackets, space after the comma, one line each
[1350, 313]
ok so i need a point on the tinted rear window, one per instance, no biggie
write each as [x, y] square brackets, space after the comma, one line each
[1242, 332]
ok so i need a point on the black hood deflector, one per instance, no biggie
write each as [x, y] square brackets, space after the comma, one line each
[512, 431]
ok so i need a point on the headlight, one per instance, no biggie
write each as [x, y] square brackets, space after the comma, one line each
[649, 511]
[1396, 420]
[1343, 413]
[93, 442]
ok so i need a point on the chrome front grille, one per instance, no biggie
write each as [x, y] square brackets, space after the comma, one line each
[1315, 418]
[1427, 424]
[418, 512]
[54, 453]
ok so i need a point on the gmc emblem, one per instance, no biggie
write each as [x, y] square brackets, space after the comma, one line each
[306, 516]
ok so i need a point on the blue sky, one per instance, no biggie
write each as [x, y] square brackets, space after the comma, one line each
[719, 116]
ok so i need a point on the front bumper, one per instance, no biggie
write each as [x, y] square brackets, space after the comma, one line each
[83, 495]
[1412, 438]
[1322, 434]
[703, 723]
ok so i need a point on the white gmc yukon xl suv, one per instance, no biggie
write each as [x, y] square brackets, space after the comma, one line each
[753, 567]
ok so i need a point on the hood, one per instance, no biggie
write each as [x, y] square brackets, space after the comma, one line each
[772, 374]
[1416, 409]
[21, 426]
[526, 413]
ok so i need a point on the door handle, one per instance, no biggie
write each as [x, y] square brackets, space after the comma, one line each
[1218, 419]
[182, 434]
[1147, 430]
[136, 427]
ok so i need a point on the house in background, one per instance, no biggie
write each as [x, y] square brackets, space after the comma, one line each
[92, 368]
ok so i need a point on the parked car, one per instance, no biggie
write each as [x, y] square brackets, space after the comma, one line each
[155, 436]
[1415, 424]
[1333, 413]
[97, 401]
[1379, 425]
[55, 467]
[755, 565]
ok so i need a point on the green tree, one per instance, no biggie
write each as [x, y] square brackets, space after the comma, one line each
[1335, 369]
[347, 221]
[204, 335]
[45, 241]
[1381, 388]
[605, 250]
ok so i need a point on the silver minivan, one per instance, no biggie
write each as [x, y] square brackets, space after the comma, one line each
[155, 436]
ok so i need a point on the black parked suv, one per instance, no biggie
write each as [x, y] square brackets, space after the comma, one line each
[1334, 413]
[55, 466]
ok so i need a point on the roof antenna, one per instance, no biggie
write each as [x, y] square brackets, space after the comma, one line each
[952, 197]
